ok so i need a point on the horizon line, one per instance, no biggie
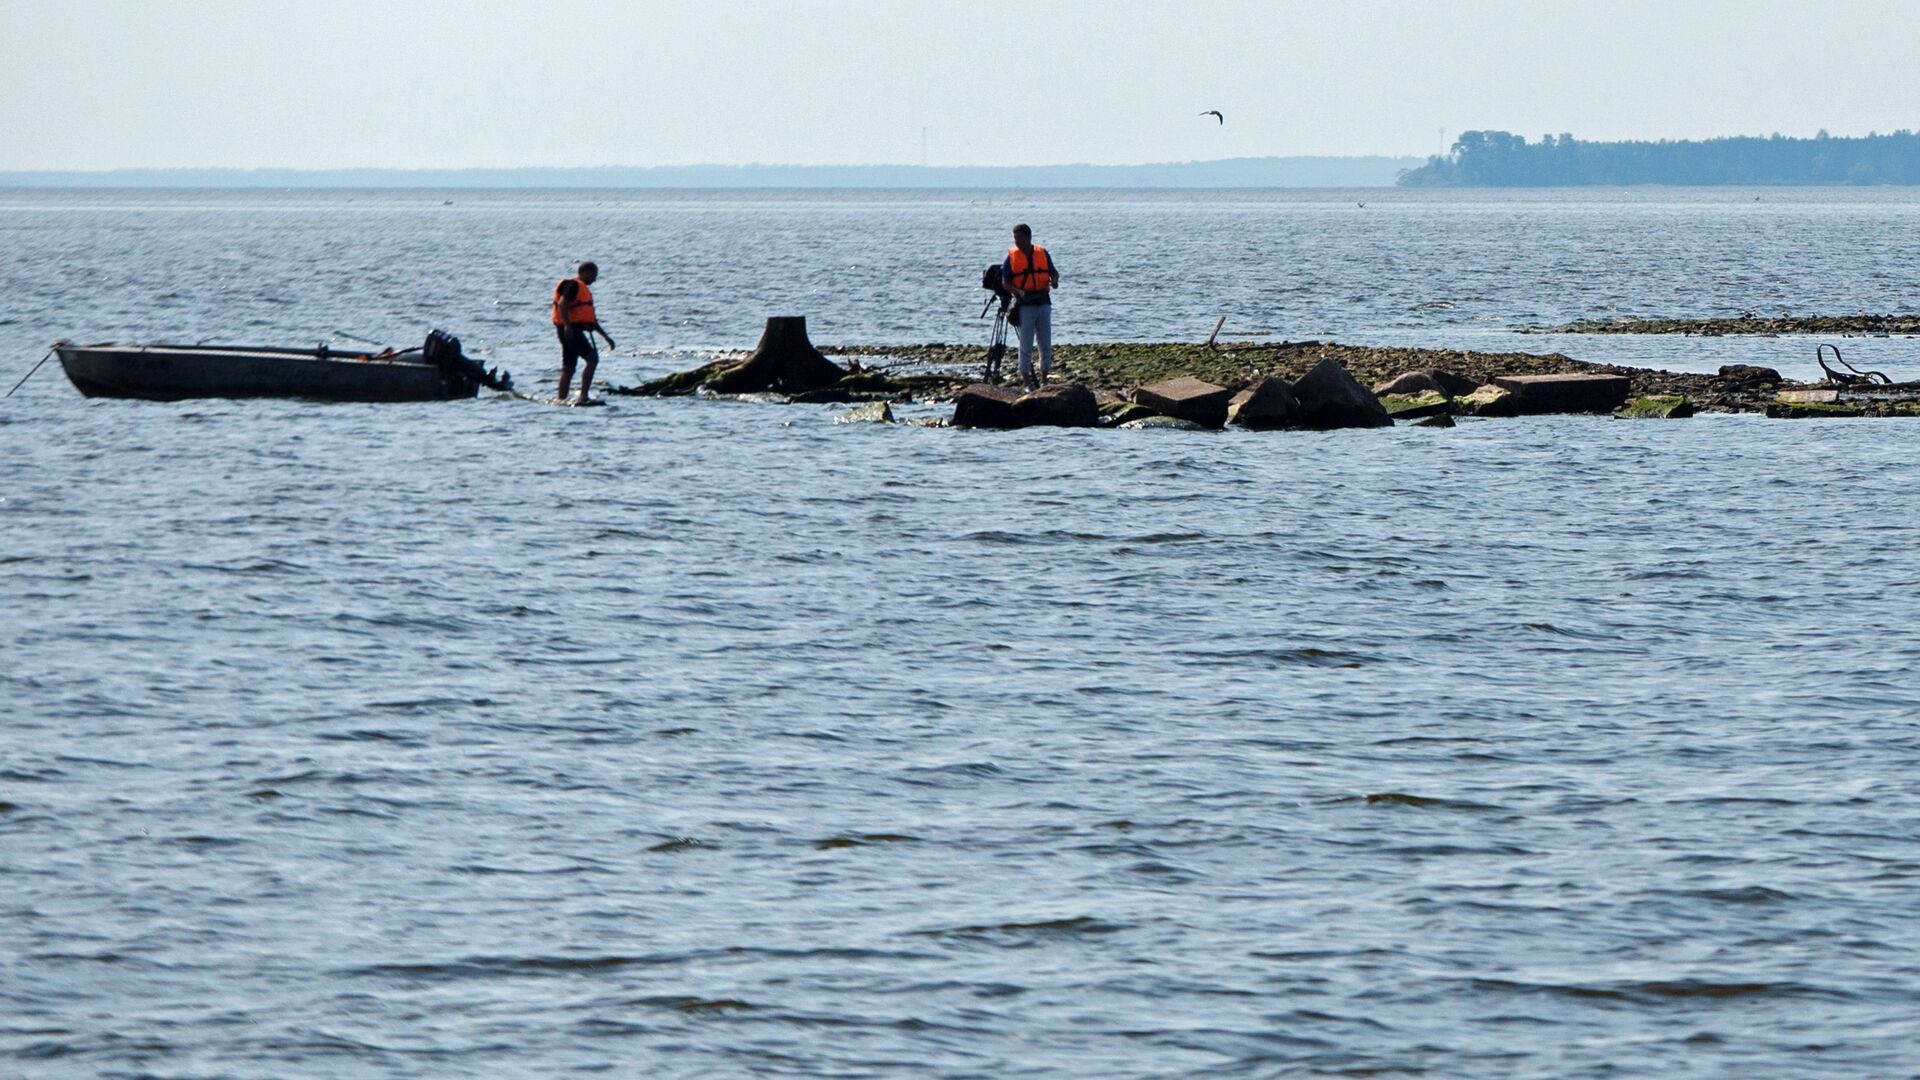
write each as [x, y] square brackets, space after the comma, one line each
[1303, 171]
[99, 171]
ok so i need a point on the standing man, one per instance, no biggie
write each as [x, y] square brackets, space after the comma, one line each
[1029, 272]
[575, 322]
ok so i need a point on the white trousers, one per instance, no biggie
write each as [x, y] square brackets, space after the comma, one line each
[1036, 323]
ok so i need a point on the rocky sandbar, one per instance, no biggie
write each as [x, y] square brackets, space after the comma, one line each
[1748, 323]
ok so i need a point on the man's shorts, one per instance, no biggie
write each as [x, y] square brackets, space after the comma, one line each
[576, 344]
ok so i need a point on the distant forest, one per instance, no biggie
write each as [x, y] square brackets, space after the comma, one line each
[1500, 159]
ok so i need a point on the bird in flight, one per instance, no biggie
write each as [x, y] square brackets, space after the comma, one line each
[1215, 113]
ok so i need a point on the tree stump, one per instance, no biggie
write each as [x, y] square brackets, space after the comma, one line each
[784, 361]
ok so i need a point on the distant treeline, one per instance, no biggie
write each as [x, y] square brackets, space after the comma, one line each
[1229, 172]
[1500, 159]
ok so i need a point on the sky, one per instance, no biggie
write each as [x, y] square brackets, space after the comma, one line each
[95, 84]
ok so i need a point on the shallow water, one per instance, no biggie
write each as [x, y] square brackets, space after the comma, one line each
[682, 738]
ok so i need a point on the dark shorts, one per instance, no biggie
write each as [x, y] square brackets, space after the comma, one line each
[576, 344]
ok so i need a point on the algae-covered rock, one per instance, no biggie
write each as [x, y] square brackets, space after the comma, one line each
[1747, 375]
[1430, 381]
[1415, 406]
[873, 412]
[1812, 411]
[984, 406]
[1162, 423]
[1568, 392]
[1115, 413]
[1663, 407]
[1057, 406]
[1330, 398]
[1489, 400]
[1817, 395]
[1265, 406]
[1436, 420]
[1187, 398]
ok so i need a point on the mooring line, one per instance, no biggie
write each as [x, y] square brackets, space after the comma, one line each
[36, 367]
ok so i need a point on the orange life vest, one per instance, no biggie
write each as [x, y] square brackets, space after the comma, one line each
[1036, 276]
[577, 312]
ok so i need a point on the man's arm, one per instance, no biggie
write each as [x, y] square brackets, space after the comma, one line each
[569, 292]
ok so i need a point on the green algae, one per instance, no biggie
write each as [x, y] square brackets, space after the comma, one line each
[1663, 407]
[1808, 410]
[1489, 401]
[874, 412]
[1416, 406]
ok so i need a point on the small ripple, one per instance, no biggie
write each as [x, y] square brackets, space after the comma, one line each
[1074, 926]
[1664, 990]
[696, 1004]
[489, 870]
[491, 967]
[1310, 656]
[1558, 631]
[943, 774]
[1401, 798]
[401, 738]
[1752, 894]
[864, 840]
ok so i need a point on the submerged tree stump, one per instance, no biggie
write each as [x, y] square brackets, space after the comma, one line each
[784, 361]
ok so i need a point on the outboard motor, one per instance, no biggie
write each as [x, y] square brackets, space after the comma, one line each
[442, 350]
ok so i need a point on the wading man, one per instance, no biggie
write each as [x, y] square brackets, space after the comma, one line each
[575, 322]
[1029, 272]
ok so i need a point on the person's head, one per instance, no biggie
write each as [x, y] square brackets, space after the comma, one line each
[1022, 236]
[588, 272]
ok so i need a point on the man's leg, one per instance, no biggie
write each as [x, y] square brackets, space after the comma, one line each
[591, 355]
[1044, 333]
[1025, 334]
[566, 361]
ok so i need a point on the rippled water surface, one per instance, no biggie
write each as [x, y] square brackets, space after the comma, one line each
[695, 738]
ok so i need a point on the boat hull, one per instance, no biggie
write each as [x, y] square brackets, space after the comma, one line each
[179, 373]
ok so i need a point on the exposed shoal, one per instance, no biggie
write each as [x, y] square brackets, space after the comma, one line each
[1123, 365]
[1748, 323]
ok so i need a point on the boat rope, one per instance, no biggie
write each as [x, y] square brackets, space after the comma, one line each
[29, 375]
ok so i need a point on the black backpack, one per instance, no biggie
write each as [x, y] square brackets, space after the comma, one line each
[991, 281]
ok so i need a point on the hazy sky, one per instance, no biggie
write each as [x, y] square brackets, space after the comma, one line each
[98, 84]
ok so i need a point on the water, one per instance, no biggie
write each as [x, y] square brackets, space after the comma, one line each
[679, 738]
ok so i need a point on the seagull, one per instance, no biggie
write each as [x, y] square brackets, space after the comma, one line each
[1215, 113]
